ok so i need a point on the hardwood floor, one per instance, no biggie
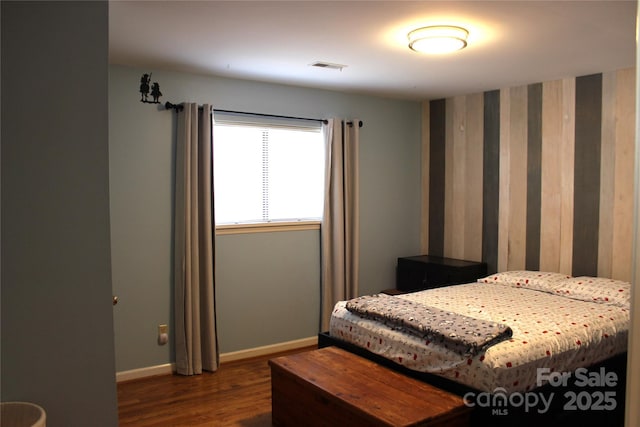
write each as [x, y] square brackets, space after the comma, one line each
[238, 394]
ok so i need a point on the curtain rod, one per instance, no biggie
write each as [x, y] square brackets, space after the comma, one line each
[179, 107]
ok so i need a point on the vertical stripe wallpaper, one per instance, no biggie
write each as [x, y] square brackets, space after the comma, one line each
[473, 129]
[616, 167]
[437, 116]
[534, 167]
[556, 222]
[490, 179]
[513, 179]
[536, 177]
[586, 175]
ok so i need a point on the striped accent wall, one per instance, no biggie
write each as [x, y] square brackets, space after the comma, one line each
[536, 177]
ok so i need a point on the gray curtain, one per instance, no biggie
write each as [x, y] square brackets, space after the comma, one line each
[195, 326]
[340, 224]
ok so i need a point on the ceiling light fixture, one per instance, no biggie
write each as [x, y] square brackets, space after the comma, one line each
[438, 39]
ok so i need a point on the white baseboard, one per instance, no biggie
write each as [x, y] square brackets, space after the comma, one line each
[149, 371]
[168, 368]
[268, 349]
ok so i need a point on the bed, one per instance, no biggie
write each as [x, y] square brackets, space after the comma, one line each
[555, 323]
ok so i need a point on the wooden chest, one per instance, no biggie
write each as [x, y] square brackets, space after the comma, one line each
[332, 387]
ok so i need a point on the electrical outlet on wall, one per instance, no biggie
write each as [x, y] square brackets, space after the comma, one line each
[163, 334]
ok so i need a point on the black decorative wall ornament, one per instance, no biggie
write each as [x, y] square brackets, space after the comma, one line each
[145, 88]
[155, 92]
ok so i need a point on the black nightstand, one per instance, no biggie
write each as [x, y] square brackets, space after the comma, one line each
[426, 271]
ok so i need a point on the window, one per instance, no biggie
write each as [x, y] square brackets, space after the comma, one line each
[267, 172]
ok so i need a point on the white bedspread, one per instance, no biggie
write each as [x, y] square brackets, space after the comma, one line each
[554, 328]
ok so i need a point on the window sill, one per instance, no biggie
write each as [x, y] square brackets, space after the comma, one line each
[266, 227]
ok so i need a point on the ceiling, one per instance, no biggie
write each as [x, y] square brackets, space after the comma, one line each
[510, 42]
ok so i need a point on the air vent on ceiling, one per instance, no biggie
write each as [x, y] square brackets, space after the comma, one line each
[322, 64]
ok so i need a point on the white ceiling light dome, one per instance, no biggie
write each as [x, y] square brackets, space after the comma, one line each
[438, 39]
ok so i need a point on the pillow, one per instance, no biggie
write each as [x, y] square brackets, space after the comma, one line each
[538, 280]
[597, 289]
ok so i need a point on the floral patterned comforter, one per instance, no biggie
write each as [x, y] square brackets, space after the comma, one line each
[560, 323]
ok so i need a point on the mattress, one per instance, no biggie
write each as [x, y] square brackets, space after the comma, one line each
[559, 323]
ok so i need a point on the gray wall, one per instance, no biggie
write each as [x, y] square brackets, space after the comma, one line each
[57, 318]
[261, 278]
